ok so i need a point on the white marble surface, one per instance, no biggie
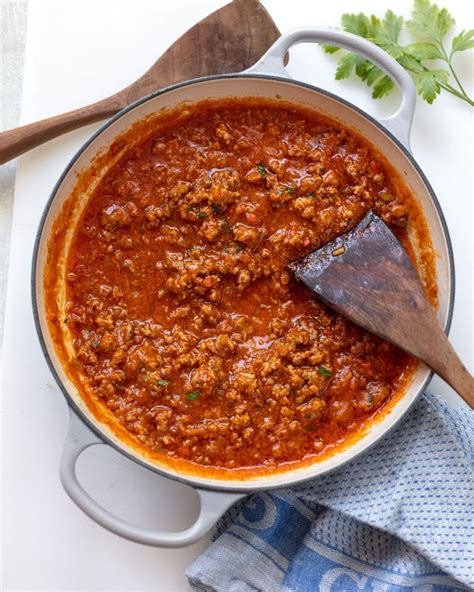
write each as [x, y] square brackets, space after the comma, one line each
[77, 52]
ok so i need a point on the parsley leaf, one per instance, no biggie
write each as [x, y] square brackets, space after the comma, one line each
[324, 371]
[411, 64]
[428, 84]
[163, 382]
[192, 395]
[330, 48]
[372, 74]
[286, 189]
[383, 87]
[261, 169]
[392, 25]
[346, 65]
[385, 33]
[463, 41]
[424, 51]
[358, 24]
[429, 21]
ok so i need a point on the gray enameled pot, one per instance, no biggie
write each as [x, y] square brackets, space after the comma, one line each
[268, 78]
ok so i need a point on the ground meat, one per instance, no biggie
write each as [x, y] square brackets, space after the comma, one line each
[188, 325]
[246, 235]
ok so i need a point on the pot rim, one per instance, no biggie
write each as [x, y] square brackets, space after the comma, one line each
[229, 485]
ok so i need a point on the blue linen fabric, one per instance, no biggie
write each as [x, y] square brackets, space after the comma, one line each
[398, 518]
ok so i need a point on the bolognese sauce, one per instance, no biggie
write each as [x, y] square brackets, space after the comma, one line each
[188, 326]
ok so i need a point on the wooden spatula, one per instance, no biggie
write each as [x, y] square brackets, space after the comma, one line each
[230, 39]
[367, 276]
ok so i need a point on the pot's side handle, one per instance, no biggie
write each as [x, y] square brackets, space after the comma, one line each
[400, 122]
[213, 503]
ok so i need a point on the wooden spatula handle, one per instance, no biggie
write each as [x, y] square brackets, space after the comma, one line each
[17, 141]
[444, 361]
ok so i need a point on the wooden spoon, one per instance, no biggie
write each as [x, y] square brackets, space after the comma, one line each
[367, 276]
[230, 39]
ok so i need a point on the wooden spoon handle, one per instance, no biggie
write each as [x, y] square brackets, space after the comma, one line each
[21, 139]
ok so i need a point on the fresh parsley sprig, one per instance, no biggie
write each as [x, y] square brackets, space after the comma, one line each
[428, 22]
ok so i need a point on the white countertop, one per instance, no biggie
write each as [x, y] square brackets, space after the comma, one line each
[78, 52]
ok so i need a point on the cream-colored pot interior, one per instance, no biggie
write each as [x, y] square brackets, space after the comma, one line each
[244, 86]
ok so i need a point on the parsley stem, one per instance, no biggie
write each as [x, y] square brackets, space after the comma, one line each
[456, 93]
[463, 94]
[461, 88]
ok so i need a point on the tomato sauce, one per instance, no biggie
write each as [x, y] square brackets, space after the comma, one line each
[188, 327]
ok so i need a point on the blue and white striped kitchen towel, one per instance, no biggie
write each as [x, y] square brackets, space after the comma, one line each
[399, 518]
